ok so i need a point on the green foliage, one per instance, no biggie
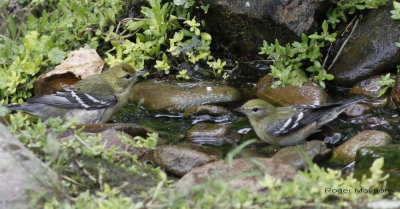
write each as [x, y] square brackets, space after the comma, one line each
[307, 190]
[396, 10]
[387, 81]
[150, 142]
[106, 199]
[44, 140]
[291, 61]
[166, 33]
[45, 40]
[288, 61]
[349, 7]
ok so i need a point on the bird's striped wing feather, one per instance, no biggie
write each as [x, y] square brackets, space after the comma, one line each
[70, 98]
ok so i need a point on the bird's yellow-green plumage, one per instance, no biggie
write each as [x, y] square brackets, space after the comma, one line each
[92, 100]
[285, 126]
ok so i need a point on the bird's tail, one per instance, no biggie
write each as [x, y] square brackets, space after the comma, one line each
[347, 102]
[14, 107]
[33, 108]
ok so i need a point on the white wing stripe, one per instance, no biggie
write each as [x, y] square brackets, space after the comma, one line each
[94, 99]
[79, 99]
[285, 125]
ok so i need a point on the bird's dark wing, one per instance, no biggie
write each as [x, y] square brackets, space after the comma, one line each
[71, 98]
[308, 114]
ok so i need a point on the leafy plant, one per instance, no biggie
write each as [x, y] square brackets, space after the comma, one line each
[387, 81]
[291, 61]
[167, 34]
[349, 7]
[288, 61]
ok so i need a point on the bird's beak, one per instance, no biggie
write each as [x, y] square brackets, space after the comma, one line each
[240, 109]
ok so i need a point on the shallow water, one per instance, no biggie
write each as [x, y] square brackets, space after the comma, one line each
[174, 127]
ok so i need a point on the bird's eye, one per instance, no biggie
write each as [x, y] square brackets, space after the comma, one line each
[127, 76]
[255, 109]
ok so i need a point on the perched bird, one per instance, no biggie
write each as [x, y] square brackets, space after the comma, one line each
[285, 126]
[91, 100]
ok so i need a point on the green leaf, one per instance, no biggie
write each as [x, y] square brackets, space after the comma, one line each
[396, 5]
[325, 26]
[56, 55]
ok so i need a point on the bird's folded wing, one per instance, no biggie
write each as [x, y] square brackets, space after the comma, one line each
[70, 98]
[301, 119]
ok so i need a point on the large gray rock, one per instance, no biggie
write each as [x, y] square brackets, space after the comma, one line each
[22, 173]
[242, 25]
[370, 50]
[176, 97]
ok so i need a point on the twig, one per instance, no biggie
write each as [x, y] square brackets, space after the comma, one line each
[330, 45]
[344, 43]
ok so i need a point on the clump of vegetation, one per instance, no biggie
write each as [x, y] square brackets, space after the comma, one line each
[290, 62]
[167, 34]
[387, 81]
[164, 35]
[41, 42]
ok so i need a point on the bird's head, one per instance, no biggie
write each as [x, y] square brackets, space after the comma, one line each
[256, 109]
[123, 76]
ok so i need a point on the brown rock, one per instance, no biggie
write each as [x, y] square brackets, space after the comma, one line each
[206, 110]
[356, 110]
[309, 93]
[233, 173]
[294, 155]
[180, 159]
[210, 133]
[160, 96]
[347, 151]
[369, 87]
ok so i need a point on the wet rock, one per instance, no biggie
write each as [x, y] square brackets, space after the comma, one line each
[346, 152]
[180, 159]
[367, 155]
[213, 110]
[233, 173]
[176, 97]
[258, 150]
[78, 65]
[369, 87]
[370, 50]
[210, 133]
[241, 26]
[395, 95]
[374, 123]
[91, 173]
[309, 93]
[356, 110]
[294, 154]
[377, 102]
[21, 172]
